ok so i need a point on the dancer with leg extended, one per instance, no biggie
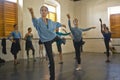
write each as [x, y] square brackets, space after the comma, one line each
[107, 36]
[77, 39]
[45, 28]
[59, 43]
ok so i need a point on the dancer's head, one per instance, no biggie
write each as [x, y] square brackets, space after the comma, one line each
[29, 29]
[44, 11]
[15, 26]
[105, 27]
[75, 22]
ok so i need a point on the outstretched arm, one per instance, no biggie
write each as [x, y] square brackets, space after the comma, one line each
[87, 29]
[64, 30]
[67, 33]
[63, 25]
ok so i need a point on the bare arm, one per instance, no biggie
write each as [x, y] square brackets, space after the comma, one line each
[10, 37]
[69, 23]
[63, 25]
[25, 36]
[31, 12]
[64, 30]
[102, 28]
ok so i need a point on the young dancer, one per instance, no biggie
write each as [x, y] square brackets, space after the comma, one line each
[59, 43]
[77, 39]
[15, 39]
[45, 28]
[29, 45]
[107, 36]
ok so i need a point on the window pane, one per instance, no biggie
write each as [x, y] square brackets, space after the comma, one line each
[114, 10]
[51, 8]
[8, 17]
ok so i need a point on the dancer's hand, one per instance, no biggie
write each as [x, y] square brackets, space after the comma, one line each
[93, 27]
[68, 16]
[100, 20]
[13, 41]
[31, 12]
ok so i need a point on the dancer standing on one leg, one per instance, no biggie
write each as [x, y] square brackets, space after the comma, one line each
[29, 45]
[59, 43]
[77, 38]
[45, 28]
[107, 36]
[15, 39]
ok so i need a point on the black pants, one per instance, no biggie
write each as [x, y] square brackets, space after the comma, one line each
[33, 51]
[15, 56]
[59, 48]
[107, 47]
[77, 46]
[48, 47]
[15, 48]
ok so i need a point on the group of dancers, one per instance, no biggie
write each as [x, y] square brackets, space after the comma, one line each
[46, 31]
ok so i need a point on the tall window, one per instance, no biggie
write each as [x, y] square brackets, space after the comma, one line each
[52, 12]
[8, 16]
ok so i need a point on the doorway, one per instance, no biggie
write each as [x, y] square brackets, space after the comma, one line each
[114, 17]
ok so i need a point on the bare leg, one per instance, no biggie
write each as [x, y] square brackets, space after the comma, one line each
[61, 60]
[41, 51]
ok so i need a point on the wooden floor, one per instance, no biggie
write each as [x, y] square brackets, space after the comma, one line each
[94, 67]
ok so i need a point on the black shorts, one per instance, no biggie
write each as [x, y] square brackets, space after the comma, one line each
[40, 42]
[59, 48]
[15, 47]
[29, 45]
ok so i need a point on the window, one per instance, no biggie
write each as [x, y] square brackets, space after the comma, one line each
[8, 16]
[52, 12]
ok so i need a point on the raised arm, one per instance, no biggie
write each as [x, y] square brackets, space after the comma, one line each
[101, 24]
[34, 20]
[69, 23]
[31, 12]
